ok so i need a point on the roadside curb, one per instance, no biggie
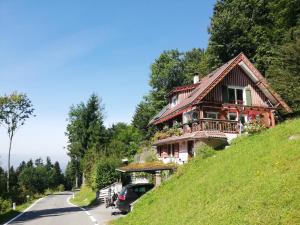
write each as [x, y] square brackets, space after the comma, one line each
[20, 214]
[84, 210]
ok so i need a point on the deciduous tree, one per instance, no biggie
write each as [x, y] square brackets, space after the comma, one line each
[15, 109]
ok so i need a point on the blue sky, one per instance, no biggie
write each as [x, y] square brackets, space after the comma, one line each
[59, 52]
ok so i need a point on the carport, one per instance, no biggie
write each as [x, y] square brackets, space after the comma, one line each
[154, 168]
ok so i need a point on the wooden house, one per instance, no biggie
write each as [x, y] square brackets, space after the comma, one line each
[216, 109]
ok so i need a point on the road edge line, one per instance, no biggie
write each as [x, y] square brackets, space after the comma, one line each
[84, 210]
[20, 214]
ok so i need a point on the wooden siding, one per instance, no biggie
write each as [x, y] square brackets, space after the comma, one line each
[183, 95]
[237, 77]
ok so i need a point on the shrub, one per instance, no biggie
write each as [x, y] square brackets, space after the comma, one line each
[104, 173]
[254, 126]
[48, 191]
[204, 151]
[174, 131]
[61, 188]
[5, 205]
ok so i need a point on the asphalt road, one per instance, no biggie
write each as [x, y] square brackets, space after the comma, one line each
[54, 210]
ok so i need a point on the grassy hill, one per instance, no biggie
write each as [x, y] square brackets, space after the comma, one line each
[255, 181]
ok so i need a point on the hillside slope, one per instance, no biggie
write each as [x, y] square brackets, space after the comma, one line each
[255, 181]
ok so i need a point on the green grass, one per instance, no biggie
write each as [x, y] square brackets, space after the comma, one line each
[255, 181]
[85, 197]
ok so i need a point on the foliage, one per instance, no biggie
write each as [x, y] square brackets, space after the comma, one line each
[15, 109]
[61, 188]
[85, 131]
[254, 27]
[204, 151]
[5, 205]
[125, 140]
[105, 173]
[254, 181]
[148, 154]
[39, 178]
[174, 131]
[70, 174]
[284, 70]
[143, 114]
[172, 68]
[254, 126]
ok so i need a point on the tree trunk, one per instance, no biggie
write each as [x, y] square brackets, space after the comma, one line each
[76, 181]
[8, 163]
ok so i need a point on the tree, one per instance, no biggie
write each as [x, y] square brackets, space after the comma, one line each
[125, 140]
[15, 109]
[144, 112]
[251, 26]
[34, 179]
[284, 71]
[172, 68]
[85, 131]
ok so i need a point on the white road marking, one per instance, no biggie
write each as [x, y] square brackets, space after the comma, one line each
[93, 219]
[33, 204]
[83, 209]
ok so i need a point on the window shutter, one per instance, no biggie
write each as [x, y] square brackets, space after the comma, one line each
[248, 97]
[225, 93]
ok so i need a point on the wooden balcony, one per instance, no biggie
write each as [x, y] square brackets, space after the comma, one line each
[226, 126]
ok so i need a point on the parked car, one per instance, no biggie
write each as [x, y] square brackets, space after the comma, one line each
[129, 194]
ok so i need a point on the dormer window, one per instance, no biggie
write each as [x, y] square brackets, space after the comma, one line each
[174, 100]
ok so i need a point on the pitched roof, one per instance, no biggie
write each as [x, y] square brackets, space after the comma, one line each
[208, 82]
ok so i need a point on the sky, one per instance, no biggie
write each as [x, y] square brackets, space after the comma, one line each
[60, 52]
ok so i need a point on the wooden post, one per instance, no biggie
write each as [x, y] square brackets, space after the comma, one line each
[272, 118]
[157, 178]
[201, 112]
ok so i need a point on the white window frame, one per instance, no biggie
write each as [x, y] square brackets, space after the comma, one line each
[232, 113]
[174, 101]
[235, 95]
[212, 113]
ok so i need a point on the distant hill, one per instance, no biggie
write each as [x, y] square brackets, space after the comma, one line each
[16, 159]
[254, 181]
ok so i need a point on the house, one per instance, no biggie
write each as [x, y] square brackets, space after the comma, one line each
[214, 110]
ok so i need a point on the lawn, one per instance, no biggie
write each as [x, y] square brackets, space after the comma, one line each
[85, 197]
[254, 181]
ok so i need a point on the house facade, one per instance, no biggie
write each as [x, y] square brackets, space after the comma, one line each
[215, 109]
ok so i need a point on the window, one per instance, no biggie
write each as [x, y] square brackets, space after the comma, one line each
[244, 119]
[211, 115]
[232, 116]
[195, 115]
[174, 100]
[159, 150]
[236, 95]
[171, 150]
[190, 115]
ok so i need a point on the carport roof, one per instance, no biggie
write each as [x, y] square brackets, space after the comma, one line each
[147, 167]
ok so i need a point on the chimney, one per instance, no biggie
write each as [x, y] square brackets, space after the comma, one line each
[196, 77]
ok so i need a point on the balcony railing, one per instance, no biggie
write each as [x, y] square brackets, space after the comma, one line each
[226, 126]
